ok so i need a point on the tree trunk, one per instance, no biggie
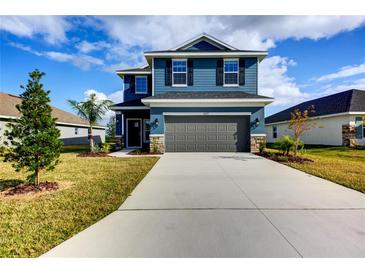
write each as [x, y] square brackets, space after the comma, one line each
[37, 176]
[91, 139]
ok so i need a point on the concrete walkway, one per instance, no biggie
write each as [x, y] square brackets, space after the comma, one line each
[227, 205]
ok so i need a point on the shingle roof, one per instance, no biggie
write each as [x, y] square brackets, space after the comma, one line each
[132, 103]
[207, 95]
[218, 51]
[346, 101]
[9, 101]
[144, 69]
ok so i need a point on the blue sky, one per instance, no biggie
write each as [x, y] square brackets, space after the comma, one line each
[309, 56]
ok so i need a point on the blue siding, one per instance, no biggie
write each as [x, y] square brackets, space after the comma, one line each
[129, 95]
[204, 77]
[157, 113]
[203, 45]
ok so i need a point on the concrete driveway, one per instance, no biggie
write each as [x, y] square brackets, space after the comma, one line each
[227, 205]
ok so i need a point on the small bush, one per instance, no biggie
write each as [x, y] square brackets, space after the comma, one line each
[105, 147]
[262, 146]
[285, 144]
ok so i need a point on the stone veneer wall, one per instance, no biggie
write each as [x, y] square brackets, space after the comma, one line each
[157, 143]
[348, 135]
[255, 142]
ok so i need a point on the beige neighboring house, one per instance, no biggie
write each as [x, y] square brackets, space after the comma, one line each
[74, 130]
[338, 120]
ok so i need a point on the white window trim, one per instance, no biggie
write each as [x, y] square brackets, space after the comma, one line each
[186, 73]
[144, 131]
[140, 128]
[238, 71]
[135, 85]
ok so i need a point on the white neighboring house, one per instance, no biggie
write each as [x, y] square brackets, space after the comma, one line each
[74, 130]
[339, 120]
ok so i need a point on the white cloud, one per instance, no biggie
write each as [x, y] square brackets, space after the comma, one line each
[51, 28]
[246, 32]
[355, 84]
[274, 82]
[82, 61]
[116, 97]
[343, 72]
[86, 47]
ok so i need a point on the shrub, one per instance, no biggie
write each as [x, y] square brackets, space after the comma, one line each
[285, 144]
[105, 147]
[262, 146]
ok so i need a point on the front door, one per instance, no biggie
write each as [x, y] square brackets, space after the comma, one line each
[134, 134]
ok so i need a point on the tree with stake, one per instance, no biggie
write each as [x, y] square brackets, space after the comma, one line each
[91, 110]
[299, 124]
[33, 139]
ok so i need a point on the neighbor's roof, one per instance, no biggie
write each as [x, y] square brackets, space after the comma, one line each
[8, 109]
[207, 95]
[347, 101]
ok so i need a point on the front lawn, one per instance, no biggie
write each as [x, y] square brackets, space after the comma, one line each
[94, 187]
[338, 164]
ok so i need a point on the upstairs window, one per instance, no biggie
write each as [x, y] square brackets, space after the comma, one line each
[179, 72]
[274, 132]
[230, 72]
[141, 84]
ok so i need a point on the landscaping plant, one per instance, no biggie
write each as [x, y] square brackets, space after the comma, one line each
[285, 144]
[33, 139]
[299, 124]
[91, 110]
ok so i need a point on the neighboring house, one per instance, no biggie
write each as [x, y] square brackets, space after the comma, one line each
[74, 130]
[338, 120]
[199, 96]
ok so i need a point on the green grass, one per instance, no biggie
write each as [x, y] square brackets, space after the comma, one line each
[30, 226]
[341, 165]
[75, 148]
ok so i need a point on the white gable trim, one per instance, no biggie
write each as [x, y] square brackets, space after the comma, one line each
[200, 37]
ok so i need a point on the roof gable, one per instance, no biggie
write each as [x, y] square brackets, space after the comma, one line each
[204, 42]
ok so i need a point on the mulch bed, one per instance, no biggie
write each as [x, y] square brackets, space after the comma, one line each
[93, 154]
[142, 152]
[25, 189]
[281, 158]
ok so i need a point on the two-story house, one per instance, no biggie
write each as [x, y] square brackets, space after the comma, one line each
[200, 96]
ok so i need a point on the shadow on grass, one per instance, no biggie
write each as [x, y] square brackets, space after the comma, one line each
[6, 184]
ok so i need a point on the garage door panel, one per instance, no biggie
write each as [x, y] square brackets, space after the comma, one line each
[206, 133]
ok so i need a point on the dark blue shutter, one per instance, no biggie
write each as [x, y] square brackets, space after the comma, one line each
[219, 73]
[190, 72]
[241, 71]
[132, 82]
[119, 123]
[149, 83]
[168, 73]
[359, 127]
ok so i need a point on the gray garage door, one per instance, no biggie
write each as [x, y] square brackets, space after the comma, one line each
[206, 133]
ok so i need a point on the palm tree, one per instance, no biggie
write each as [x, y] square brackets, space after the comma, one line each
[91, 110]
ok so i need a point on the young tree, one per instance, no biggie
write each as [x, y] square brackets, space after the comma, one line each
[111, 127]
[91, 110]
[299, 124]
[33, 139]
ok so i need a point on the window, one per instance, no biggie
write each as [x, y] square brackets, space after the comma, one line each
[146, 130]
[179, 72]
[274, 132]
[141, 84]
[230, 69]
[76, 130]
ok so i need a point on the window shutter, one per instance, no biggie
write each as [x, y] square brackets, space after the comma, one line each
[168, 73]
[241, 72]
[190, 72]
[219, 73]
[149, 84]
[359, 125]
[132, 82]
